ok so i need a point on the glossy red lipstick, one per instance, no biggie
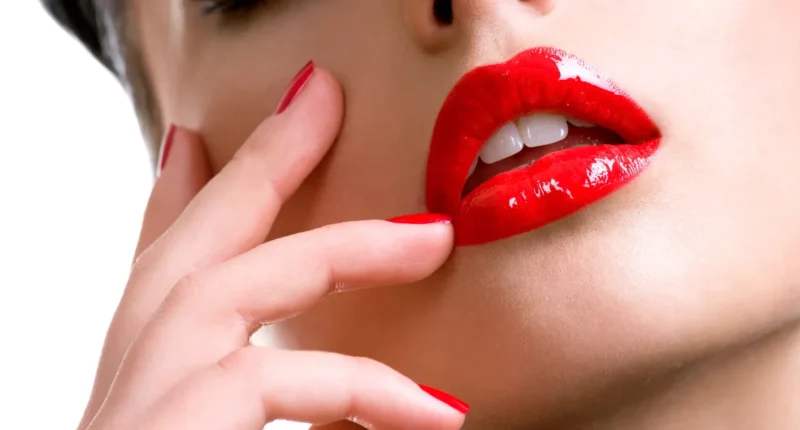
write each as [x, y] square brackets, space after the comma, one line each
[552, 187]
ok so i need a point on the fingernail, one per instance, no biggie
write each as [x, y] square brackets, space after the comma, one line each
[295, 87]
[422, 219]
[166, 148]
[447, 399]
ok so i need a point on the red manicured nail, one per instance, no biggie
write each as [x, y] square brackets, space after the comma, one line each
[447, 399]
[166, 148]
[422, 219]
[295, 87]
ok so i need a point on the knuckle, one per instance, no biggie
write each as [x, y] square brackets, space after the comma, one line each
[353, 233]
[252, 155]
[246, 156]
[357, 375]
[328, 230]
[327, 238]
[143, 262]
[251, 161]
[248, 361]
[186, 290]
[317, 246]
[360, 368]
[259, 141]
[333, 232]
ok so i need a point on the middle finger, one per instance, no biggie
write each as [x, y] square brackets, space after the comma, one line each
[213, 312]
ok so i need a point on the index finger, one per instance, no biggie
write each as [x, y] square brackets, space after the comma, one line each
[235, 211]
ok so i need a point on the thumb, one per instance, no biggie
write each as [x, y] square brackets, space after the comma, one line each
[183, 170]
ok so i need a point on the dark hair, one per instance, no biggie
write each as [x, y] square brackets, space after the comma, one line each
[80, 18]
[101, 26]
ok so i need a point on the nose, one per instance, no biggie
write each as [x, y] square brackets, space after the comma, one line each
[437, 24]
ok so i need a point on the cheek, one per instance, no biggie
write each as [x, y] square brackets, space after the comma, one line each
[225, 104]
[376, 168]
[229, 80]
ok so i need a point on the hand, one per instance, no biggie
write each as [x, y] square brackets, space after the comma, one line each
[177, 354]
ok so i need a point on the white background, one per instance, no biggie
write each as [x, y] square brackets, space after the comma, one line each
[74, 180]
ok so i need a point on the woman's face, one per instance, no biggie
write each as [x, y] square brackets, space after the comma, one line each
[697, 254]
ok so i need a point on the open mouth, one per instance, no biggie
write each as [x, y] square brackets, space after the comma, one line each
[524, 141]
[522, 144]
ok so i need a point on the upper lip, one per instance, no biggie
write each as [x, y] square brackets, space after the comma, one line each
[534, 81]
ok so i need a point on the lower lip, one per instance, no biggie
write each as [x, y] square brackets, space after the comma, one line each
[550, 189]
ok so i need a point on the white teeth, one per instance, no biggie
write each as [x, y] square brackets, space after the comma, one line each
[580, 123]
[505, 143]
[532, 131]
[472, 168]
[543, 129]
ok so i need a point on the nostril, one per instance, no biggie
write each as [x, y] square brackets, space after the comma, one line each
[443, 11]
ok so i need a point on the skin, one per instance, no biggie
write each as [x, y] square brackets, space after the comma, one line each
[160, 371]
[638, 312]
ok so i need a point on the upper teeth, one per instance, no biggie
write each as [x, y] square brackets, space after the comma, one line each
[543, 129]
[534, 130]
[505, 143]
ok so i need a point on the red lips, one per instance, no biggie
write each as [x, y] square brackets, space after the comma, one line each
[558, 184]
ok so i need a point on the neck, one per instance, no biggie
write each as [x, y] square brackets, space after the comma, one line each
[755, 387]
